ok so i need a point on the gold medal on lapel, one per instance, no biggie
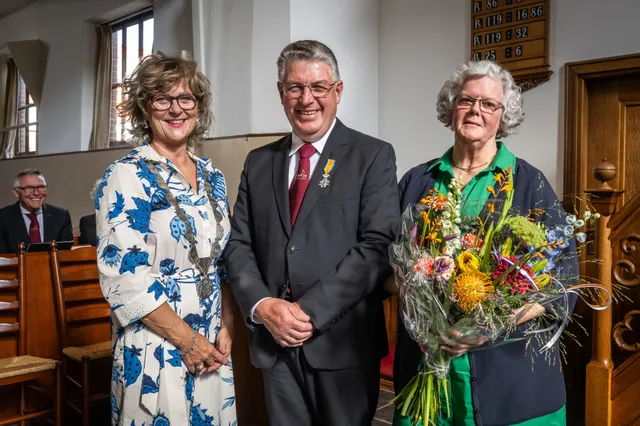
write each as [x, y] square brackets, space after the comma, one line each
[324, 182]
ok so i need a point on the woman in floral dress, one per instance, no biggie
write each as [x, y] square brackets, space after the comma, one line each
[162, 220]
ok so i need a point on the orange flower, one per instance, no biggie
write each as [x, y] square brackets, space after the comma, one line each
[491, 190]
[471, 241]
[506, 187]
[439, 202]
[491, 207]
[499, 177]
[433, 237]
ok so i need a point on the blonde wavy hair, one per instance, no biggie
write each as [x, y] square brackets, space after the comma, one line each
[155, 75]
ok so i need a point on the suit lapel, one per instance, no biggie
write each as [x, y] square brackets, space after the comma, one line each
[280, 178]
[47, 222]
[334, 149]
[17, 218]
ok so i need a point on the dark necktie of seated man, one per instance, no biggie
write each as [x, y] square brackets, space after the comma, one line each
[34, 228]
[300, 181]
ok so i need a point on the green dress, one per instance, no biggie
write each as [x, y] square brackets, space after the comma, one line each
[461, 400]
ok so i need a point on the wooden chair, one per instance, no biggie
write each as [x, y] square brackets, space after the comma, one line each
[83, 325]
[23, 369]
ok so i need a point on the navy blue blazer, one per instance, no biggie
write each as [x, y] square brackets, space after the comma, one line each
[506, 387]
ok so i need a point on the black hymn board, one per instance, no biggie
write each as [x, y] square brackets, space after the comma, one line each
[515, 34]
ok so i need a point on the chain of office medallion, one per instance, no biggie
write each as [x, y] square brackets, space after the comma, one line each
[204, 287]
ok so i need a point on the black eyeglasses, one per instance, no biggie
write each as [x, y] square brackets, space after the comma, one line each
[31, 189]
[486, 105]
[318, 90]
[164, 102]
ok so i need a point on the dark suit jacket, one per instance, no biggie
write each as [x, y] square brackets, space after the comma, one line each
[56, 222]
[88, 230]
[336, 256]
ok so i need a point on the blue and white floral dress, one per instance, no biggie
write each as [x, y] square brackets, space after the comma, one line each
[143, 263]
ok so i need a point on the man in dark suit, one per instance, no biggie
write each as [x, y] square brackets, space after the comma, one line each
[315, 214]
[88, 222]
[30, 220]
[88, 230]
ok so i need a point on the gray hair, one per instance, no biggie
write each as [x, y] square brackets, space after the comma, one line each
[307, 50]
[95, 188]
[29, 171]
[512, 113]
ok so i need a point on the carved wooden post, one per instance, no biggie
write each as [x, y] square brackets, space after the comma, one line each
[600, 369]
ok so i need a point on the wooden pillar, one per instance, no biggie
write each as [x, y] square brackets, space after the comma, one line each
[600, 370]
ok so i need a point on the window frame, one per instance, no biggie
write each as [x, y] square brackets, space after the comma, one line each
[26, 107]
[122, 25]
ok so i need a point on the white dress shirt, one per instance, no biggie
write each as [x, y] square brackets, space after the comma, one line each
[27, 221]
[294, 159]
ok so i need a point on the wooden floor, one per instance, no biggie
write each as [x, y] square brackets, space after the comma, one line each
[384, 414]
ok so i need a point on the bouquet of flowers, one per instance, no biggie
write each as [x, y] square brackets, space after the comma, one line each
[474, 280]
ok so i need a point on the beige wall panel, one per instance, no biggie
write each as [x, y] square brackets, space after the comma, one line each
[228, 155]
[70, 178]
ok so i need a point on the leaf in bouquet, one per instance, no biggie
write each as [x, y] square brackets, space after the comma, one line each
[542, 280]
[539, 266]
[485, 251]
[506, 247]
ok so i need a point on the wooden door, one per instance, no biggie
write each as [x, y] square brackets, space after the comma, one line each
[602, 120]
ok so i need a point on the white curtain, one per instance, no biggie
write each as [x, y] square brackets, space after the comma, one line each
[10, 119]
[102, 96]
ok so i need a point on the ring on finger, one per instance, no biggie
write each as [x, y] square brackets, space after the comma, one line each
[200, 366]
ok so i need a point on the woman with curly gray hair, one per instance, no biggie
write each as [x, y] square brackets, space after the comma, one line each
[481, 103]
[162, 221]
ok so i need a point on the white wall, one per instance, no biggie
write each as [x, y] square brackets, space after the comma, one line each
[271, 32]
[172, 27]
[65, 113]
[224, 31]
[580, 30]
[422, 41]
[237, 43]
[350, 29]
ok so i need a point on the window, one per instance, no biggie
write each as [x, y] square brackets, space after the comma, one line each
[27, 134]
[132, 39]
[23, 127]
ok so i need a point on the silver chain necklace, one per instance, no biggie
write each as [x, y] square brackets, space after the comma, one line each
[204, 287]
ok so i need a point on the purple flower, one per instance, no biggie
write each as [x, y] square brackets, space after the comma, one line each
[443, 267]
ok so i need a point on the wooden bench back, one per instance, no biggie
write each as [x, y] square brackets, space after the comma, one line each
[12, 305]
[83, 312]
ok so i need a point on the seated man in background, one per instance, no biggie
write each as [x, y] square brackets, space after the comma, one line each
[88, 222]
[30, 220]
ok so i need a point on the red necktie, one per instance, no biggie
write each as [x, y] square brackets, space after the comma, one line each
[34, 228]
[300, 180]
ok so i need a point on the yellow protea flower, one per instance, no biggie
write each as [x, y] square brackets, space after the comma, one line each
[471, 288]
[468, 262]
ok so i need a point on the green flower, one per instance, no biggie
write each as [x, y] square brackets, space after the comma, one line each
[533, 234]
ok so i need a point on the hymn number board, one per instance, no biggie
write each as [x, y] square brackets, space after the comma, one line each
[514, 33]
